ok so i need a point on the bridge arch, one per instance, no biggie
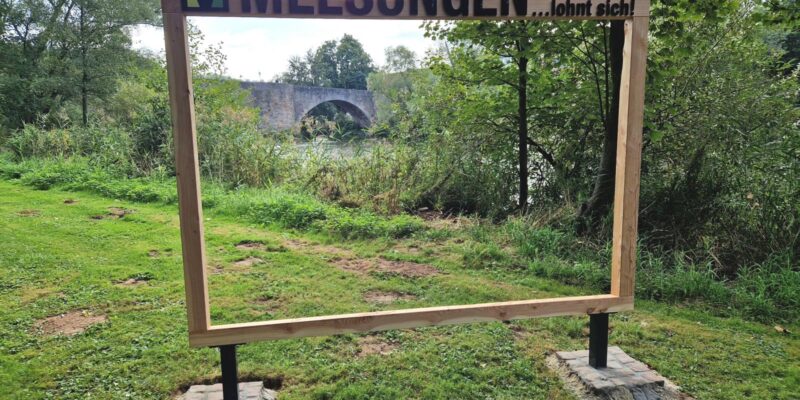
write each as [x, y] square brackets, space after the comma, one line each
[283, 106]
[359, 116]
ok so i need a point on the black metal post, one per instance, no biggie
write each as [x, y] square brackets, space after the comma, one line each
[598, 340]
[230, 381]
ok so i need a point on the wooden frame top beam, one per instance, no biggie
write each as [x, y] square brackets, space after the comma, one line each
[413, 9]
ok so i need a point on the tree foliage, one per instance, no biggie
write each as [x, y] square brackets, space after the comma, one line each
[721, 127]
[340, 64]
[59, 54]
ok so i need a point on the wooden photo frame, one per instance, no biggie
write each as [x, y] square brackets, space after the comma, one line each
[626, 197]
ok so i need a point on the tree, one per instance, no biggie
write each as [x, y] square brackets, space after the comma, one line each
[324, 66]
[400, 59]
[394, 87]
[102, 44]
[58, 51]
[599, 202]
[299, 71]
[546, 66]
[720, 160]
[342, 64]
[507, 48]
[353, 64]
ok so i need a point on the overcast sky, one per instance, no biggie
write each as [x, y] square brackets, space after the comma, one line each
[259, 48]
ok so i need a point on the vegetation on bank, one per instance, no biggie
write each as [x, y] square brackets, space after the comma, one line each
[765, 292]
[280, 207]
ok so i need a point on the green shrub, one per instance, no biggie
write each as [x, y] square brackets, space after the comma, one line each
[8, 168]
[774, 283]
[481, 255]
[304, 212]
[578, 273]
[681, 282]
[401, 226]
[49, 173]
[79, 174]
[291, 211]
[534, 243]
[763, 292]
[31, 141]
[350, 225]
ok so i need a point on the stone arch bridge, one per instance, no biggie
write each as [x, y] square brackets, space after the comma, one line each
[283, 106]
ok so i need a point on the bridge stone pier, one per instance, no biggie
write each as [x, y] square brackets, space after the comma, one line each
[283, 106]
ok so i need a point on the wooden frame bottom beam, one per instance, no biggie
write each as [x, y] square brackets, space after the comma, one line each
[411, 318]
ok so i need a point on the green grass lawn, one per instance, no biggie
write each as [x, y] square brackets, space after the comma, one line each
[55, 258]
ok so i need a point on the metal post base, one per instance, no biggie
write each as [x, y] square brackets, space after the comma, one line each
[230, 381]
[598, 340]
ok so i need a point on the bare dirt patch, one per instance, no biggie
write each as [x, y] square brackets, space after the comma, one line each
[294, 244]
[29, 213]
[359, 266]
[407, 269]
[266, 301]
[132, 282]
[118, 212]
[266, 305]
[306, 247]
[369, 345]
[248, 262]
[216, 269]
[135, 280]
[69, 324]
[249, 245]
[413, 249]
[519, 332]
[378, 297]
[114, 213]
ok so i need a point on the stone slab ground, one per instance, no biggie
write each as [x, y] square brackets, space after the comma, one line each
[624, 378]
[247, 391]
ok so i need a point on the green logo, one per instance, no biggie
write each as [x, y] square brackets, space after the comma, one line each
[204, 5]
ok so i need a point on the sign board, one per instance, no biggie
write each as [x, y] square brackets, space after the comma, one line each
[416, 9]
[626, 197]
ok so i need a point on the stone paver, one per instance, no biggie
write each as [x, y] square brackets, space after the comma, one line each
[247, 391]
[622, 374]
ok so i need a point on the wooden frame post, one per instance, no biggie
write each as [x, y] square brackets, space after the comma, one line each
[629, 158]
[187, 171]
[629, 141]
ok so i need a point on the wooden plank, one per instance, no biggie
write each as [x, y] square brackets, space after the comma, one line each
[629, 157]
[187, 171]
[413, 9]
[411, 318]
